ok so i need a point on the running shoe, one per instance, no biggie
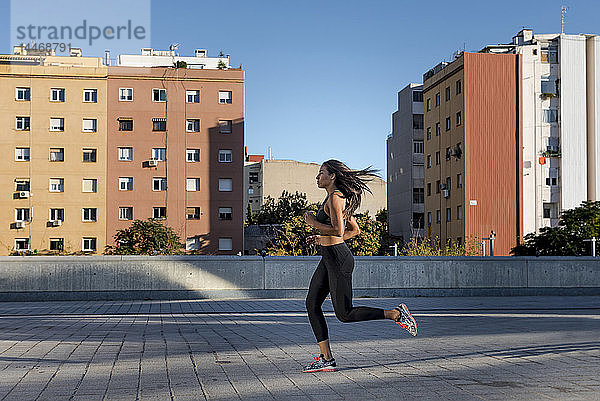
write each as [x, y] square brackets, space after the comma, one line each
[320, 365]
[406, 320]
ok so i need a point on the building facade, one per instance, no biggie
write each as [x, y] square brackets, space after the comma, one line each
[405, 166]
[473, 139]
[93, 147]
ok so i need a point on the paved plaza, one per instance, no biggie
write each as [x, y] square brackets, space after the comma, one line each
[475, 348]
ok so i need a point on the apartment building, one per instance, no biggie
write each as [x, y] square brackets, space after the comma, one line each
[54, 136]
[561, 124]
[93, 147]
[175, 152]
[405, 166]
[473, 162]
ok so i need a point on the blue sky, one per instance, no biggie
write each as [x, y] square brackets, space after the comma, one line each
[322, 76]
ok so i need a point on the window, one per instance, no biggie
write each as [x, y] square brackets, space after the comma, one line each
[459, 212]
[21, 244]
[447, 93]
[428, 189]
[459, 181]
[225, 184]
[437, 99]
[437, 158]
[552, 145]
[90, 185]
[417, 121]
[458, 119]
[418, 96]
[438, 216]
[225, 213]
[428, 219]
[159, 154]
[22, 184]
[192, 244]
[89, 125]
[192, 125]
[418, 146]
[192, 184]
[546, 210]
[448, 183]
[159, 95]
[88, 214]
[193, 155]
[126, 154]
[57, 214]
[225, 155]
[458, 87]
[57, 95]
[224, 97]
[125, 94]
[253, 177]
[448, 214]
[57, 244]
[417, 220]
[428, 133]
[552, 179]
[437, 129]
[429, 104]
[225, 126]
[125, 124]
[548, 86]
[418, 195]
[57, 124]
[88, 244]
[23, 94]
[192, 213]
[126, 213]
[125, 183]
[57, 154]
[428, 161]
[250, 191]
[22, 154]
[89, 155]
[22, 214]
[437, 186]
[192, 96]
[90, 95]
[549, 55]
[159, 212]
[448, 123]
[23, 123]
[448, 152]
[225, 244]
[57, 185]
[549, 115]
[159, 184]
[159, 124]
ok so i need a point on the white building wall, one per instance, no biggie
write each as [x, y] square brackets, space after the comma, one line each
[593, 117]
[572, 115]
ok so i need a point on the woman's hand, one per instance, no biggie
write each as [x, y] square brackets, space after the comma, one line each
[313, 240]
[309, 218]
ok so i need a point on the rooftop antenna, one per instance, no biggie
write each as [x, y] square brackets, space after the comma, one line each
[563, 13]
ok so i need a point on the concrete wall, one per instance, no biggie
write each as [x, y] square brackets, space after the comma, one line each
[179, 277]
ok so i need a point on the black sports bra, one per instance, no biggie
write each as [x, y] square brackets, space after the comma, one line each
[321, 216]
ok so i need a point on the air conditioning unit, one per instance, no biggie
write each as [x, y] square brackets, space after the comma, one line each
[56, 223]
[443, 186]
[19, 224]
[446, 193]
[152, 163]
[23, 194]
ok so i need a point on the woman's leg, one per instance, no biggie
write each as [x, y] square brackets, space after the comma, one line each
[317, 292]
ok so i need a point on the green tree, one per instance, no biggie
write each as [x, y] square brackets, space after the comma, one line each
[277, 211]
[146, 237]
[249, 216]
[575, 226]
[370, 240]
[291, 239]
[221, 65]
[435, 247]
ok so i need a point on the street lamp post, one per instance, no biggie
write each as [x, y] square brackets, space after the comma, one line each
[395, 246]
[491, 238]
[593, 241]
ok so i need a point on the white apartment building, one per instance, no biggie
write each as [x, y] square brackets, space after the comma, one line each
[166, 58]
[405, 166]
[561, 122]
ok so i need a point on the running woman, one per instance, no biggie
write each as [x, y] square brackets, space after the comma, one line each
[333, 275]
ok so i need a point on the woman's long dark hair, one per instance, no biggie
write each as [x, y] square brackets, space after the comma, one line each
[352, 183]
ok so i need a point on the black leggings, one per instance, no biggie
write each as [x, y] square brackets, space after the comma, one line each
[334, 276]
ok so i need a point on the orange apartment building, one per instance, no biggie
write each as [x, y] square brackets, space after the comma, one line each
[473, 137]
[91, 147]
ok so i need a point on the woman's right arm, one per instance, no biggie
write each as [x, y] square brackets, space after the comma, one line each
[353, 230]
